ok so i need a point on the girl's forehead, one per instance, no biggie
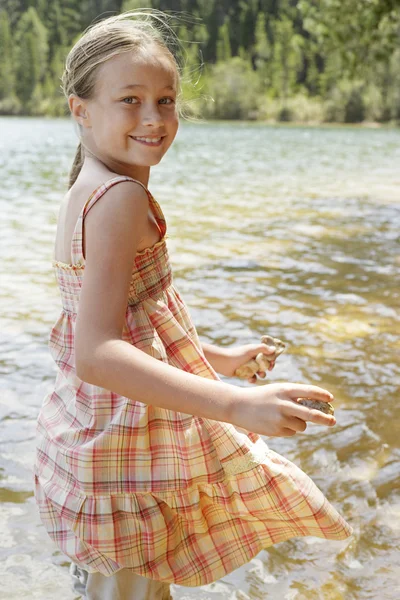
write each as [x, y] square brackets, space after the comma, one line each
[137, 67]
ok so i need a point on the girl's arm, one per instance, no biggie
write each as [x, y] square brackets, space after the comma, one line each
[226, 360]
[216, 356]
[113, 229]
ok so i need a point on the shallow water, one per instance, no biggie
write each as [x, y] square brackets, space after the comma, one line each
[291, 231]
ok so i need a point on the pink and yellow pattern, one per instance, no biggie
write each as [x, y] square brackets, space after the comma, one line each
[175, 497]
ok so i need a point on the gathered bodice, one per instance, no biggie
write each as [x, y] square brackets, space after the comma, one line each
[151, 273]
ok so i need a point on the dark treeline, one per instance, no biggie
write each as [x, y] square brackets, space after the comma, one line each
[278, 60]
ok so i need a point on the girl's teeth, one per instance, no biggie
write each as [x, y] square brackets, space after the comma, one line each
[149, 140]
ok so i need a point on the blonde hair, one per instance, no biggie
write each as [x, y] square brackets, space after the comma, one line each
[131, 30]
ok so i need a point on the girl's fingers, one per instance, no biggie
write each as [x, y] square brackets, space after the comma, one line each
[262, 374]
[309, 391]
[267, 350]
[293, 409]
[296, 424]
[252, 379]
[320, 418]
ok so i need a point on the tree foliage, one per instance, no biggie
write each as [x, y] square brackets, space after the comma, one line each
[31, 53]
[7, 79]
[273, 59]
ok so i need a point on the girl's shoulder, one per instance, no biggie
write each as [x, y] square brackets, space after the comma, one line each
[81, 197]
[92, 184]
[87, 182]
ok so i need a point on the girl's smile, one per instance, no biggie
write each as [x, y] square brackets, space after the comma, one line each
[148, 140]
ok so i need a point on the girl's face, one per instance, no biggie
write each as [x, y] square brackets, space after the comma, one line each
[132, 119]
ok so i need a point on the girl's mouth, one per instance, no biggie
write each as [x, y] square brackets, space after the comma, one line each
[148, 141]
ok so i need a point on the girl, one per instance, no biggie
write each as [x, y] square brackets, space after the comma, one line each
[141, 476]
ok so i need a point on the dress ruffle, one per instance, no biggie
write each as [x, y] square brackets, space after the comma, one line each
[225, 524]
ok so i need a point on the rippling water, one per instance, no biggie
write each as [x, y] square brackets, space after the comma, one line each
[291, 231]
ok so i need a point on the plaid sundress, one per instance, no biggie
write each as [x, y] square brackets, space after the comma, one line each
[173, 496]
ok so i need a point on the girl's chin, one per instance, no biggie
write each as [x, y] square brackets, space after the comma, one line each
[144, 163]
[133, 161]
[148, 161]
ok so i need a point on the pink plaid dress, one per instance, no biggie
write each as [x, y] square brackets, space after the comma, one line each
[173, 496]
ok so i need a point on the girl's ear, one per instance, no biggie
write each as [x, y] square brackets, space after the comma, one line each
[78, 109]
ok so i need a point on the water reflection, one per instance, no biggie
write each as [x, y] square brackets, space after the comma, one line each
[290, 231]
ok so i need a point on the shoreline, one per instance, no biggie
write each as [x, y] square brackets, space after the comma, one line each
[198, 121]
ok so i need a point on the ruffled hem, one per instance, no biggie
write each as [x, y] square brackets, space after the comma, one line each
[195, 536]
[67, 266]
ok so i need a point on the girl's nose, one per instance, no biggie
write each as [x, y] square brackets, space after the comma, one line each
[152, 116]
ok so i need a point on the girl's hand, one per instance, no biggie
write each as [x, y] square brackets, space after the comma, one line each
[273, 410]
[239, 355]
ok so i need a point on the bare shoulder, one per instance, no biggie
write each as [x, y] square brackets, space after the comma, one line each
[117, 222]
[92, 178]
[126, 200]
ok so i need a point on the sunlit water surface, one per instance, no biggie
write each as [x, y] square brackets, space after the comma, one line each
[291, 231]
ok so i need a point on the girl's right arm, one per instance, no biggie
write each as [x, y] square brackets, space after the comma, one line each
[113, 230]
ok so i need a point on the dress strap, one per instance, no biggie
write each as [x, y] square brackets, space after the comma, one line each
[77, 238]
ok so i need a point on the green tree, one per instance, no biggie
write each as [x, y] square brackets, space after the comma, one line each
[57, 33]
[262, 53]
[286, 58]
[135, 4]
[31, 56]
[7, 80]
[303, 57]
[208, 9]
[234, 88]
[75, 17]
[223, 43]
[13, 9]
[364, 32]
[247, 19]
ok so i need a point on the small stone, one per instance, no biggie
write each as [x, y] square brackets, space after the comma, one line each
[271, 341]
[262, 362]
[325, 407]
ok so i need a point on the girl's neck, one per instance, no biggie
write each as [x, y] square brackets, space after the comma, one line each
[141, 173]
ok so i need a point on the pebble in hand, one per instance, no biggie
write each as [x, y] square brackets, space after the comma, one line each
[262, 362]
[325, 407]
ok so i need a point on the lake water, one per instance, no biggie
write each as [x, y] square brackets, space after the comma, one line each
[292, 231]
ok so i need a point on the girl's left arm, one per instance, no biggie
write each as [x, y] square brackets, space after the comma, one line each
[225, 361]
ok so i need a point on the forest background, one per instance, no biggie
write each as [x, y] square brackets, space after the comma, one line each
[308, 61]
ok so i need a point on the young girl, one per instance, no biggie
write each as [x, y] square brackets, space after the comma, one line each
[141, 476]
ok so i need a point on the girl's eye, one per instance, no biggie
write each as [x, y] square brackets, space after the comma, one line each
[166, 100]
[130, 100]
